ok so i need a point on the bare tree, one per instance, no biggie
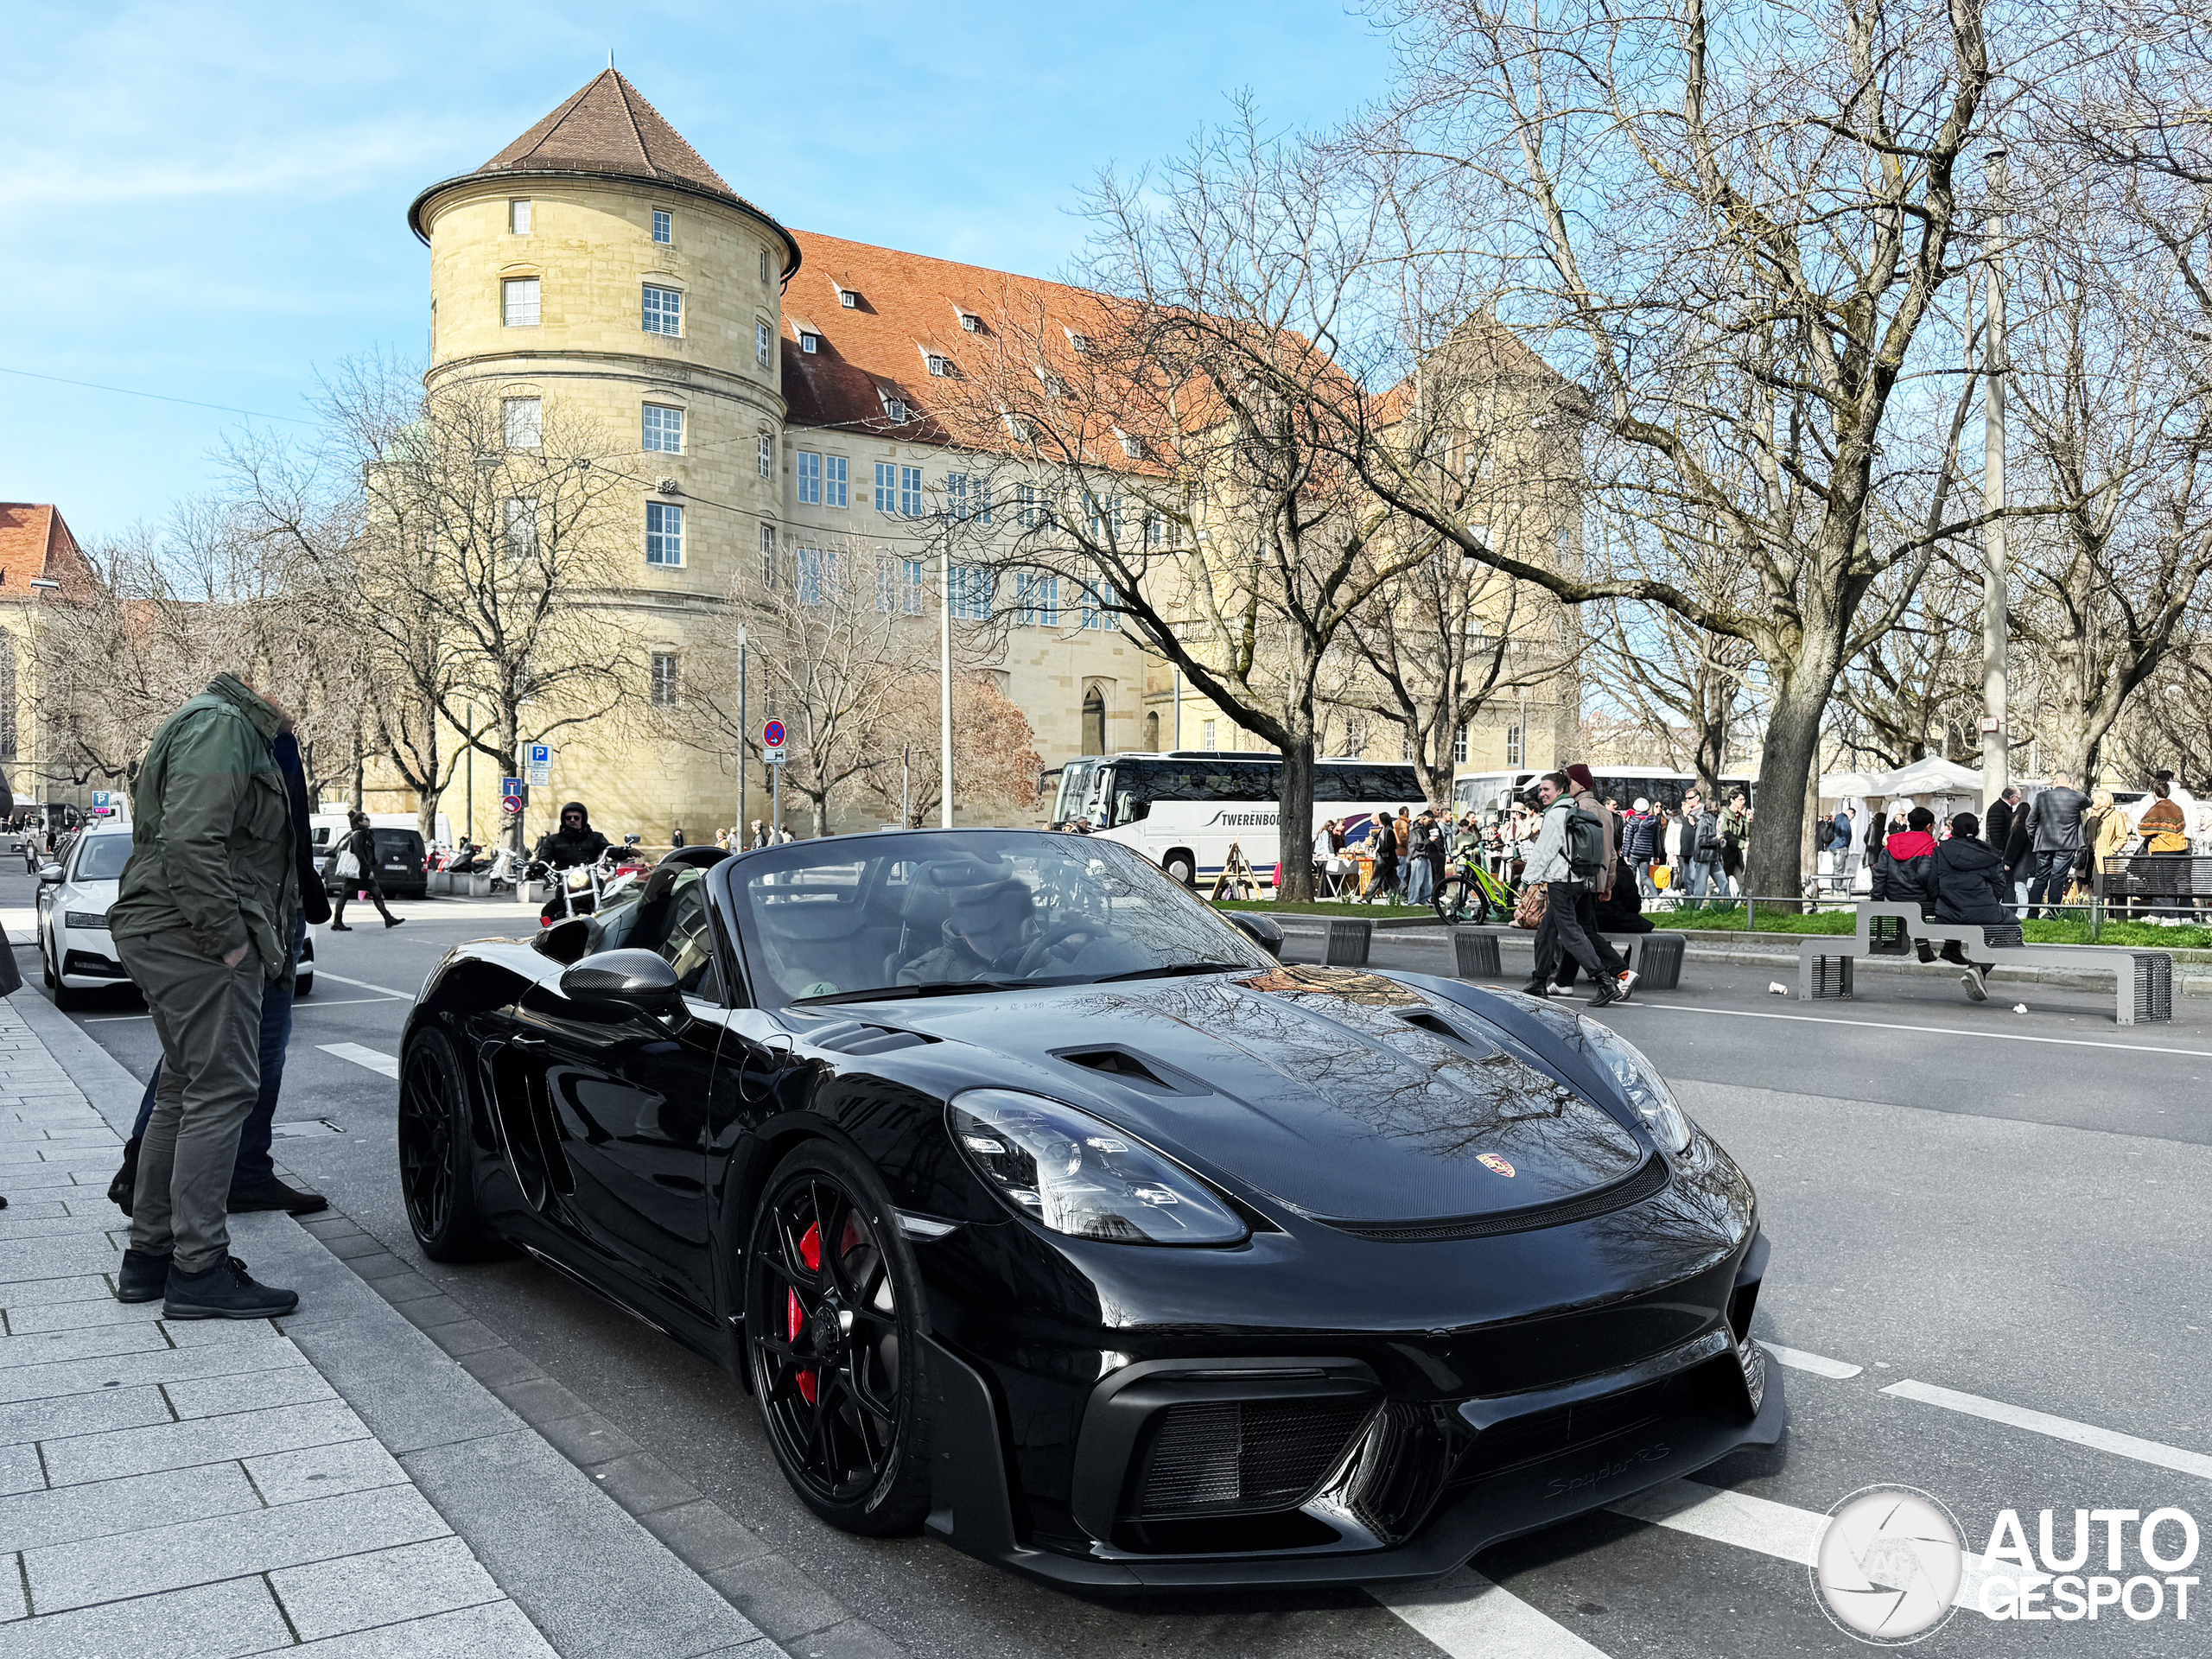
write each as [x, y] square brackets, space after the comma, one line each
[995, 755]
[1164, 447]
[1739, 228]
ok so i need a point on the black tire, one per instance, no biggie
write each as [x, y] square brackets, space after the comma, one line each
[302, 985]
[437, 1181]
[1454, 895]
[46, 970]
[838, 1375]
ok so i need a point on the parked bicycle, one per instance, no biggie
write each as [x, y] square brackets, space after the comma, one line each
[1472, 894]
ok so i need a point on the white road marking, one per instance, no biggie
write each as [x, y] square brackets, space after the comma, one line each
[1798, 1360]
[1787, 1533]
[2059, 1428]
[1470, 1617]
[382, 991]
[387, 1064]
[1928, 1030]
[1726, 1517]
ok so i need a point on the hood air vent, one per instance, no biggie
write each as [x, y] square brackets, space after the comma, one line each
[1125, 1065]
[856, 1037]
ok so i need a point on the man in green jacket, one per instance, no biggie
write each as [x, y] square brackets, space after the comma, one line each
[202, 918]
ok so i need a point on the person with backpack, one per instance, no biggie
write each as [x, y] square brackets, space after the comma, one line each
[1567, 862]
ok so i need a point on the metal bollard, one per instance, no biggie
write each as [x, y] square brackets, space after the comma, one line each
[1348, 943]
[1478, 954]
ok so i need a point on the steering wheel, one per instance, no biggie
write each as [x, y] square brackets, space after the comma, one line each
[1063, 940]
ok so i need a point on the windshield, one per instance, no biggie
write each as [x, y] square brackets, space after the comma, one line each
[917, 914]
[103, 858]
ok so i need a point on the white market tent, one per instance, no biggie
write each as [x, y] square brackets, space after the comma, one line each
[1843, 786]
[1933, 776]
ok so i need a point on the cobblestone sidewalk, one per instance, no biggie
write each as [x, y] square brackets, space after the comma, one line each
[200, 1488]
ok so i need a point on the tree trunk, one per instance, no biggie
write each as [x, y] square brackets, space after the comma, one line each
[1295, 822]
[1774, 867]
[426, 813]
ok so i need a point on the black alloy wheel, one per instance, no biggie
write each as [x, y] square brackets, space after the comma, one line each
[436, 1177]
[1460, 899]
[830, 1306]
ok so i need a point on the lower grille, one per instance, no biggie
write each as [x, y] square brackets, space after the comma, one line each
[1541, 1434]
[1222, 1456]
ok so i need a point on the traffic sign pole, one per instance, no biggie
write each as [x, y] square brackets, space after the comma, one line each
[772, 752]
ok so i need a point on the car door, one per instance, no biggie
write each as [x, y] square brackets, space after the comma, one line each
[625, 1098]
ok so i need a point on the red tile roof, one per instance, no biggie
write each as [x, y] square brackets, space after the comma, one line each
[34, 542]
[607, 127]
[906, 307]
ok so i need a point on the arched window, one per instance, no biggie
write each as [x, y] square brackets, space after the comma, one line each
[1094, 723]
[1152, 731]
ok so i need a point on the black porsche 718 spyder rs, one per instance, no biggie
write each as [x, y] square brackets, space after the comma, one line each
[1038, 1204]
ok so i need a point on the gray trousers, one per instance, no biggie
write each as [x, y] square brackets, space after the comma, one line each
[208, 1018]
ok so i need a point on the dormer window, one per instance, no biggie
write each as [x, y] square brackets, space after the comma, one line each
[809, 342]
[939, 365]
[1079, 342]
[1133, 447]
[895, 406]
[1051, 382]
[847, 297]
[971, 323]
[1016, 428]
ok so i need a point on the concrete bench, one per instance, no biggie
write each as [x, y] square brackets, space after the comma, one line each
[2142, 980]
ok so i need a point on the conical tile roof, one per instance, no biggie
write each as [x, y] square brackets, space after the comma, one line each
[607, 129]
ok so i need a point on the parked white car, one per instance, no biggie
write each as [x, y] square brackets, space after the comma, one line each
[75, 949]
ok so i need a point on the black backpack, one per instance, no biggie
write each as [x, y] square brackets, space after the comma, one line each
[1585, 845]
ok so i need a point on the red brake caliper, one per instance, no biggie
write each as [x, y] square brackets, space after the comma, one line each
[810, 1251]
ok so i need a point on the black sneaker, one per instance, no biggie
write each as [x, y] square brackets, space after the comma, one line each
[1537, 988]
[393, 921]
[273, 1194]
[224, 1291]
[340, 927]
[1606, 994]
[125, 1183]
[143, 1277]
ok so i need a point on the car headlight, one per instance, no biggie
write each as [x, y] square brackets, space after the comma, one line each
[1640, 1081]
[83, 918]
[1083, 1177]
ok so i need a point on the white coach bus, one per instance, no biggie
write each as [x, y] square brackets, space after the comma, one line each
[1183, 811]
[1488, 791]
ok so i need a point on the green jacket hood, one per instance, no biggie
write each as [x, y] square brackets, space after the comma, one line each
[267, 718]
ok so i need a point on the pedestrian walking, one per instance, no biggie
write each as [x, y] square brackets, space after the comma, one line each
[360, 846]
[1735, 836]
[1566, 860]
[254, 1185]
[1701, 851]
[203, 919]
[2055, 820]
[1421, 873]
[1640, 846]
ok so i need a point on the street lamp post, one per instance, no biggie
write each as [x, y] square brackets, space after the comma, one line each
[1995, 757]
[944, 690]
[743, 727]
[44, 584]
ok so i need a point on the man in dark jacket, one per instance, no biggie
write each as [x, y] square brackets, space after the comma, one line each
[1999, 829]
[1971, 884]
[254, 1185]
[362, 843]
[575, 842]
[2055, 820]
[203, 919]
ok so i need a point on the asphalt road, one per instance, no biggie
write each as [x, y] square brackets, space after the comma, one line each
[1977, 1215]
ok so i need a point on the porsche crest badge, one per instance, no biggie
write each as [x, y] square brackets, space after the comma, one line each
[1491, 1160]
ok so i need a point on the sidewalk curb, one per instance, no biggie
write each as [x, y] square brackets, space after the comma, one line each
[591, 1577]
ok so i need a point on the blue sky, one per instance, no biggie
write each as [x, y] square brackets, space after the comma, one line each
[208, 201]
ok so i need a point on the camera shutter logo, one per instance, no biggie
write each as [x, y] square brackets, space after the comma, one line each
[1887, 1569]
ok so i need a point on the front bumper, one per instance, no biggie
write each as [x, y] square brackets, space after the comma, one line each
[1415, 1490]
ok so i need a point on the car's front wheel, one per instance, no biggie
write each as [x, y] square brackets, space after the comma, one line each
[436, 1176]
[832, 1323]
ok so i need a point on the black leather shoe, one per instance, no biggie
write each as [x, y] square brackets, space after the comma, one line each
[1537, 988]
[145, 1276]
[1607, 995]
[224, 1291]
[340, 927]
[393, 921]
[125, 1183]
[273, 1194]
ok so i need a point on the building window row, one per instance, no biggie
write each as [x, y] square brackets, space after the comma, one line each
[523, 421]
[518, 301]
[664, 667]
[967, 496]
[664, 226]
[764, 455]
[664, 310]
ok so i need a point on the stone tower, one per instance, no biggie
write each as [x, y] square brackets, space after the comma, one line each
[598, 261]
